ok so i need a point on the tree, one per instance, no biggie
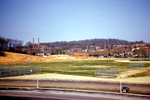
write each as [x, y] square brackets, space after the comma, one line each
[115, 52]
[142, 52]
[20, 44]
[29, 44]
[105, 53]
[10, 43]
[2, 41]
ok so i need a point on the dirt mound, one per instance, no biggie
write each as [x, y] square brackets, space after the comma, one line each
[10, 58]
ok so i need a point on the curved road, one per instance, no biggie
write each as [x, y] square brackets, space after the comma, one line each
[60, 94]
[88, 85]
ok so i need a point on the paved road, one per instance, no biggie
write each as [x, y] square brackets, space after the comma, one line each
[103, 86]
[60, 94]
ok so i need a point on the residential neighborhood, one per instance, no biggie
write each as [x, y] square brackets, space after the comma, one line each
[138, 50]
[104, 48]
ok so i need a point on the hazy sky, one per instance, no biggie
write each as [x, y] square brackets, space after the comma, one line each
[68, 20]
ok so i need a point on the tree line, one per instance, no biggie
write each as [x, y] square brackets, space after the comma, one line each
[14, 45]
[7, 44]
[89, 42]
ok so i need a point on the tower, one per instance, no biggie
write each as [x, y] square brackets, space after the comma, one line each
[104, 44]
[33, 43]
[38, 43]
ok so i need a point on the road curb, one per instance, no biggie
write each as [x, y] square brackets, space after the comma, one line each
[72, 90]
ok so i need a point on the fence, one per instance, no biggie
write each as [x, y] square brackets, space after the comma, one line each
[136, 65]
[6, 71]
[105, 73]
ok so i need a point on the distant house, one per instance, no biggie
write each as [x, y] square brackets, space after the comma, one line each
[72, 49]
[129, 53]
[44, 48]
[138, 45]
[39, 54]
[79, 49]
[42, 54]
[97, 47]
[86, 50]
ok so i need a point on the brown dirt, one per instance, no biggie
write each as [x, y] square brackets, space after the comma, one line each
[11, 58]
[52, 76]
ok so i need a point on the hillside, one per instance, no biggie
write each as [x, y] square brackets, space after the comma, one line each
[12, 58]
[88, 42]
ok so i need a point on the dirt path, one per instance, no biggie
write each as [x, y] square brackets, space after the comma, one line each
[50, 76]
[132, 61]
[130, 72]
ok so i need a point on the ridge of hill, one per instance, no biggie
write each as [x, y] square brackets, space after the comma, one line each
[12, 58]
[89, 42]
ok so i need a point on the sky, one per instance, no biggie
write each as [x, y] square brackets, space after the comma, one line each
[69, 20]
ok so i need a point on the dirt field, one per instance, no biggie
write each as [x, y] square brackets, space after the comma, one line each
[11, 58]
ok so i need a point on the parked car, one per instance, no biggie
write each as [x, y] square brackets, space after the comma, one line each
[125, 89]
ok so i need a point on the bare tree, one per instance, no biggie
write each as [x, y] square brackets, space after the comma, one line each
[15, 43]
[10, 43]
[20, 44]
[29, 44]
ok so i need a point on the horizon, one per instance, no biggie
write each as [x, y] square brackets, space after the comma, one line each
[36, 41]
[75, 20]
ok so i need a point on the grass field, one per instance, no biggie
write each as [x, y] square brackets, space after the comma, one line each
[145, 73]
[64, 64]
[140, 60]
[86, 68]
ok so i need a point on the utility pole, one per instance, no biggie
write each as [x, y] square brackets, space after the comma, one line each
[120, 85]
[37, 81]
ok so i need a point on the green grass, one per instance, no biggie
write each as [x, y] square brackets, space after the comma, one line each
[145, 73]
[140, 59]
[83, 68]
[147, 64]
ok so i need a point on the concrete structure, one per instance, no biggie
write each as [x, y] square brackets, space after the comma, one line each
[35, 46]
[38, 43]
[42, 53]
[33, 43]
[104, 45]
[82, 55]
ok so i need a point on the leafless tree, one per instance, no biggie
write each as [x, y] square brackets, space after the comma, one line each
[28, 44]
